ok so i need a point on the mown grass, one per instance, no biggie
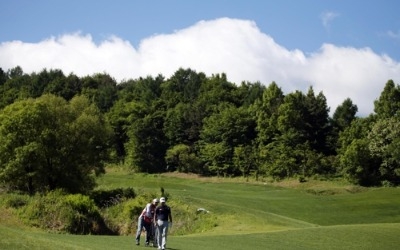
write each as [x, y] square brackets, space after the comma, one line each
[249, 215]
[372, 236]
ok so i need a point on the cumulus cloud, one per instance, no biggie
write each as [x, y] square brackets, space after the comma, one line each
[235, 47]
[72, 53]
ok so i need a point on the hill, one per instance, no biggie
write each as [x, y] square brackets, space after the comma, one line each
[248, 215]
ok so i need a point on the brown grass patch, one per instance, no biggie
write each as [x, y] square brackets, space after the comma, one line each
[311, 186]
[8, 218]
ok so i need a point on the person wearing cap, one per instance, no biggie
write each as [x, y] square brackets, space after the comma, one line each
[161, 217]
[145, 221]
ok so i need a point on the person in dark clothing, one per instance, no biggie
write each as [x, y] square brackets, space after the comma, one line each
[162, 220]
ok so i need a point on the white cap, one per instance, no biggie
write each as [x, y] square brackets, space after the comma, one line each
[162, 199]
[155, 200]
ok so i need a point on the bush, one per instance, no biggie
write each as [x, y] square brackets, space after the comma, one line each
[56, 211]
[15, 200]
[386, 183]
[44, 211]
[122, 217]
[85, 217]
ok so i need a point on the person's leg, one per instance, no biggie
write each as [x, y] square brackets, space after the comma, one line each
[164, 235]
[159, 234]
[156, 235]
[153, 234]
[147, 226]
[139, 231]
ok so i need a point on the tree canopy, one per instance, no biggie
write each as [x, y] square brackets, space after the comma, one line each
[58, 131]
[49, 143]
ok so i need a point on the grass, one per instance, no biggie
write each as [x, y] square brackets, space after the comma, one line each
[372, 236]
[250, 215]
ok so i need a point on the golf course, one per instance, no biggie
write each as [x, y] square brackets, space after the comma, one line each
[248, 215]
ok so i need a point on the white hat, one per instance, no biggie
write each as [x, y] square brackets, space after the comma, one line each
[162, 199]
[155, 200]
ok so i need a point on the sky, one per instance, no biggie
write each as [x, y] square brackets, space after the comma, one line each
[342, 48]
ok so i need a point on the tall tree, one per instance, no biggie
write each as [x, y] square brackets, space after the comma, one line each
[341, 119]
[229, 128]
[388, 104]
[47, 143]
[356, 162]
[15, 72]
[244, 158]
[66, 87]
[300, 132]
[46, 80]
[100, 89]
[16, 87]
[147, 144]
[344, 114]
[182, 158]
[177, 125]
[358, 129]
[266, 112]
[247, 93]
[121, 117]
[317, 121]
[215, 91]
[358, 165]
[183, 86]
[384, 143]
[144, 90]
[3, 76]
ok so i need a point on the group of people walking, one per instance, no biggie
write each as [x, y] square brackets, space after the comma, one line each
[155, 219]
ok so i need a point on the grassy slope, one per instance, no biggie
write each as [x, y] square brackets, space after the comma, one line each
[374, 236]
[251, 216]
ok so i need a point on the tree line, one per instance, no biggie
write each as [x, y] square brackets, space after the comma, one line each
[57, 130]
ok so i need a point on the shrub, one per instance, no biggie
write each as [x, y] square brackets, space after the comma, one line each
[84, 218]
[386, 183]
[44, 211]
[15, 200]
[56, 211]
[122, 217]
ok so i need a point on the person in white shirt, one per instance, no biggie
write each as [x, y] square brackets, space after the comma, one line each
[145, 221]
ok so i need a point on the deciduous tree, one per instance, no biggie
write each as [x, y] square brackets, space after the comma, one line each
[49, 143]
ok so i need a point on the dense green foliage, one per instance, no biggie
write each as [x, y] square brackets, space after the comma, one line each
[58, 212]
[48, 143]
[189, 123]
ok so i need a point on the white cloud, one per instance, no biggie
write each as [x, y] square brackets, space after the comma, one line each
[235, 47]
[327, 18]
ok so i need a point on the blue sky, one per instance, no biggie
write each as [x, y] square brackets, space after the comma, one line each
[342, 48]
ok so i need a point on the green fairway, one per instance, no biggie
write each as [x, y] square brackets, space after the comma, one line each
[250, 216]
[374, 236]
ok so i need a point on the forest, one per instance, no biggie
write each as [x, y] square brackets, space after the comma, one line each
[59, 131]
